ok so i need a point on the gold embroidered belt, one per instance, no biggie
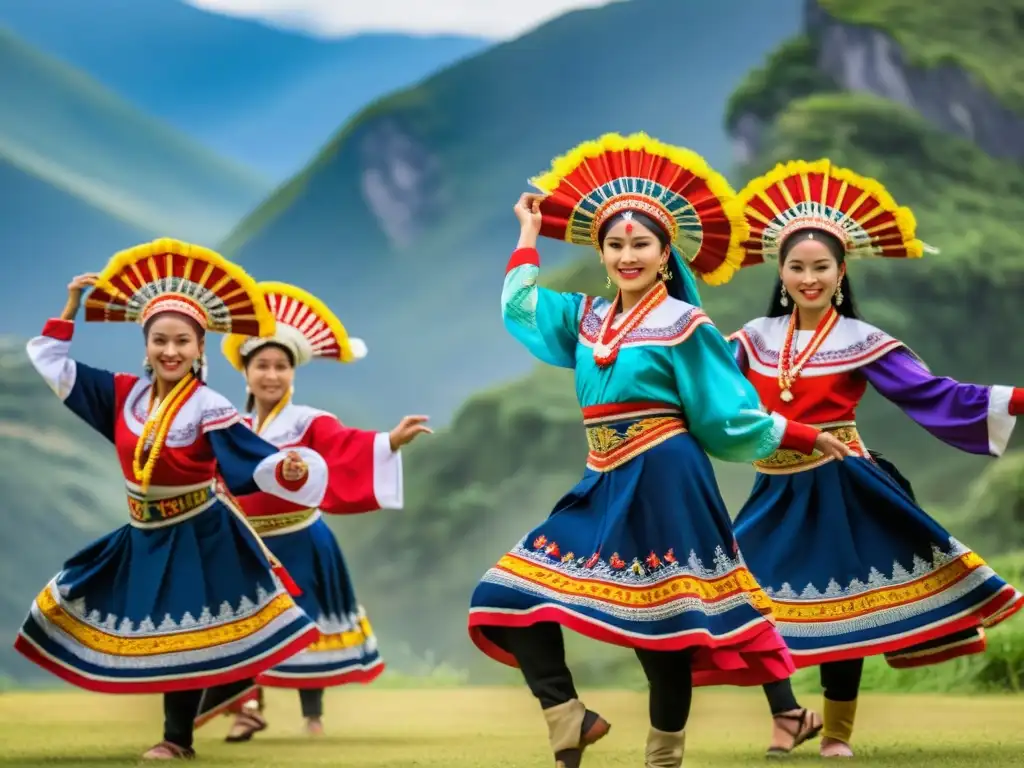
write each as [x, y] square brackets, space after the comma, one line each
[622, 431]
[786, 461]
[147, 511]
[275, 525]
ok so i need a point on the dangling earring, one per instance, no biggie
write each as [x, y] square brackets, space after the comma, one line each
[608, 282]
[197, 367]
[147, 367]
[784, 299]
[664, 272]
[839, 295]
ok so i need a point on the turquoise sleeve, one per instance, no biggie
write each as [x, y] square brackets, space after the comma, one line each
[545, 322]
[722, 408]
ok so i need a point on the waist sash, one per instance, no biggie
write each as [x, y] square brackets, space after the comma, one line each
[622, 431]
[287, 522]
[787, 461]
[169, 505]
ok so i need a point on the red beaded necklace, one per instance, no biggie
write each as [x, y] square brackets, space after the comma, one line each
[606, 350]
[789, 369]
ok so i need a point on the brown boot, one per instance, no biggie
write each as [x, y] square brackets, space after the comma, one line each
[571, 729]
[664, 749]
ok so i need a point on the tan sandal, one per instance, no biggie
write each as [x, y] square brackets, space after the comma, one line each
[245, 726]
[168, 750]
[809, 725]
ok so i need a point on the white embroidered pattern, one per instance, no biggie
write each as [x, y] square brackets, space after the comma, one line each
[146, 627]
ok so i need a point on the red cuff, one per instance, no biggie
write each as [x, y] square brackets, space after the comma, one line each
[61, 330]
[799, 437]
[522, 256]
[288, 485]
[1017, 402]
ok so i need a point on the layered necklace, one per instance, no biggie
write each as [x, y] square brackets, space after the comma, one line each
[157, 425]
[606, 350]
[789, 369]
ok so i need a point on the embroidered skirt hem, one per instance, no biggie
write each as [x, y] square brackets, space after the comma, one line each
[346, 651]
[61, 662]
[855, 568]
[186, 606]
[621, 559]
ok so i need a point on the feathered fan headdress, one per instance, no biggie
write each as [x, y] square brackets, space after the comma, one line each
[800, 195]
[305, 326]
[671, 185]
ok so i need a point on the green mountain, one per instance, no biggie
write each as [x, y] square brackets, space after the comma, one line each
[985, 44]
[60, 486]
[66, 129]
[510, 452]
[404, 221]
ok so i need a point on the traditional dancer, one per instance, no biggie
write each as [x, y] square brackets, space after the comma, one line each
[640, 553]
[185, 596]
[365, 474]
[853, 565]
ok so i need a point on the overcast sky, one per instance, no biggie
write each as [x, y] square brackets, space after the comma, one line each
[497, 19]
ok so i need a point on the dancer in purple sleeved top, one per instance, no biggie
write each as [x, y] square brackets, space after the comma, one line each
[854, 567]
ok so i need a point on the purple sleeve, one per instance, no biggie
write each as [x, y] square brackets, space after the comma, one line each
[970, 417]
[739, 353]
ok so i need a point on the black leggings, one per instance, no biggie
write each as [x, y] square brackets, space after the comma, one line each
[839, 679]
[181, 708]
[312, 701]
[540, 651]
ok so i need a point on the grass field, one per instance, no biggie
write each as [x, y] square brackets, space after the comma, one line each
[498, 728]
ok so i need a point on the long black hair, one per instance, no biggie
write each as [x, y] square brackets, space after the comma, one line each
[849, 306]
[250, 401]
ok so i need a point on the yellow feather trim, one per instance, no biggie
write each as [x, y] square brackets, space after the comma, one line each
[232, 344]
[124, 260]
[904, 217]
[564, 165]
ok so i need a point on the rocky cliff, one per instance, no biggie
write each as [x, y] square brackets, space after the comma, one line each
[866, 58]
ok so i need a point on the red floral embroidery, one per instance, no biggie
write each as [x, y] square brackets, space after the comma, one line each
[616, 562]
[540, 541]
[653, 561]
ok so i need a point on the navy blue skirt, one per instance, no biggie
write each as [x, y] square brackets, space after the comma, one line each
[346, 651]
[189, 605]
[641, 556]
[855, 568]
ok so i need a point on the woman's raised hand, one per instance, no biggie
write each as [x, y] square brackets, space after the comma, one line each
[528, 212]
[75, 290]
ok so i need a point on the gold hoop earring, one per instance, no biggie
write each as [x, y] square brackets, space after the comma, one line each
[784, 299]
[664, 272]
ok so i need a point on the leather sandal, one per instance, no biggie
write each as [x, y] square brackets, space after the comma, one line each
[806, 729]
[246, 724]
[168, 750]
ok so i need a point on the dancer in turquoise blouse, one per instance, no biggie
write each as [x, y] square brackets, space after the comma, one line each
[640, 553]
